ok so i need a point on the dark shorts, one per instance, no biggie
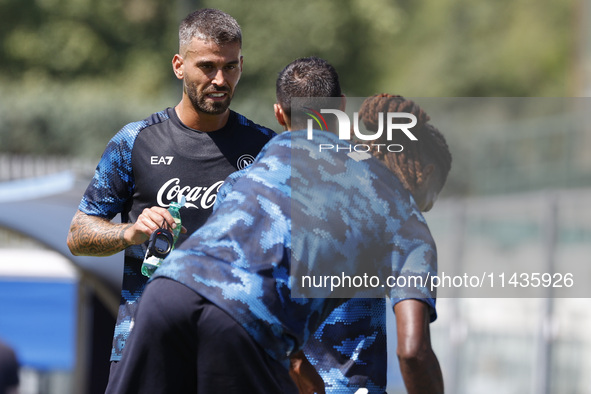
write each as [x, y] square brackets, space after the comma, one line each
[182, 343]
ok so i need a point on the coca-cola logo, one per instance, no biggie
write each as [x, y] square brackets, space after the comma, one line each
[198, 197]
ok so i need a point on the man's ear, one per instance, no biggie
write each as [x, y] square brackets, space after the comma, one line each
[428, 172]
[281, 116]
[178, 66]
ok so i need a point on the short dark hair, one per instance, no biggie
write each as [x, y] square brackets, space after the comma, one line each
[306, 77]
[209, 24]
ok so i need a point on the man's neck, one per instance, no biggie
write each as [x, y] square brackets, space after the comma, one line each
[199, 120]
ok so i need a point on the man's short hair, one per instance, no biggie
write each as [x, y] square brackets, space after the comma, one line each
[306, 77]
[209, 24]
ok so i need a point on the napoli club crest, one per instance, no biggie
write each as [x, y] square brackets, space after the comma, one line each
[244, 161]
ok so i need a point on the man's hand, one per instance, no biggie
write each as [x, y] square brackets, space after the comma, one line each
[305, 375]
[95, 236]
[150, 220]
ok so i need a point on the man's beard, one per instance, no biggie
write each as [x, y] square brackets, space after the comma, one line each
[200, 103]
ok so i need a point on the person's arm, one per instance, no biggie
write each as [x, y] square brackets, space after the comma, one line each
[305, 375]
[96, 236]
[418, 363]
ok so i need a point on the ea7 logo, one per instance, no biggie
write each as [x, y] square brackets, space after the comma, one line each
[157, 160]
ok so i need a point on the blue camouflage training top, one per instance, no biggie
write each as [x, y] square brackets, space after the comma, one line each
[298, 215]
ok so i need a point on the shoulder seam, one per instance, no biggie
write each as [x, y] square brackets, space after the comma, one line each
[244, 121]
[130, 131]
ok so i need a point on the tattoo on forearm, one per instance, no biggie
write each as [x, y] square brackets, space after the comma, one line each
[94, 236]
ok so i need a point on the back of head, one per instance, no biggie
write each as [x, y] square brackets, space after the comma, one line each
[209, 24]
[430, 147]
[306, 77]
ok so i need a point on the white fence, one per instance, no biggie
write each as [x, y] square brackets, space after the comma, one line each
[13, 166]
[515, 339]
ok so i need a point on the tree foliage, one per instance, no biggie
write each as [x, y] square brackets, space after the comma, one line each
[72, 72]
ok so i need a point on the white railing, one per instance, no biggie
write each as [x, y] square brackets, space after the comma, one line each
[16, 166]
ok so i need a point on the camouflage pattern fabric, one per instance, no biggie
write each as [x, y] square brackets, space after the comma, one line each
[297, 211]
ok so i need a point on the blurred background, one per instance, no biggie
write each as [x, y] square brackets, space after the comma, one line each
[73, 72]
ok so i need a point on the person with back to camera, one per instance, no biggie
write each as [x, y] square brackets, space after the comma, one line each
[186, 151]
[218, 315]
[349, 349]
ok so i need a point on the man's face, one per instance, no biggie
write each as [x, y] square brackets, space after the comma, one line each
[210, 75]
